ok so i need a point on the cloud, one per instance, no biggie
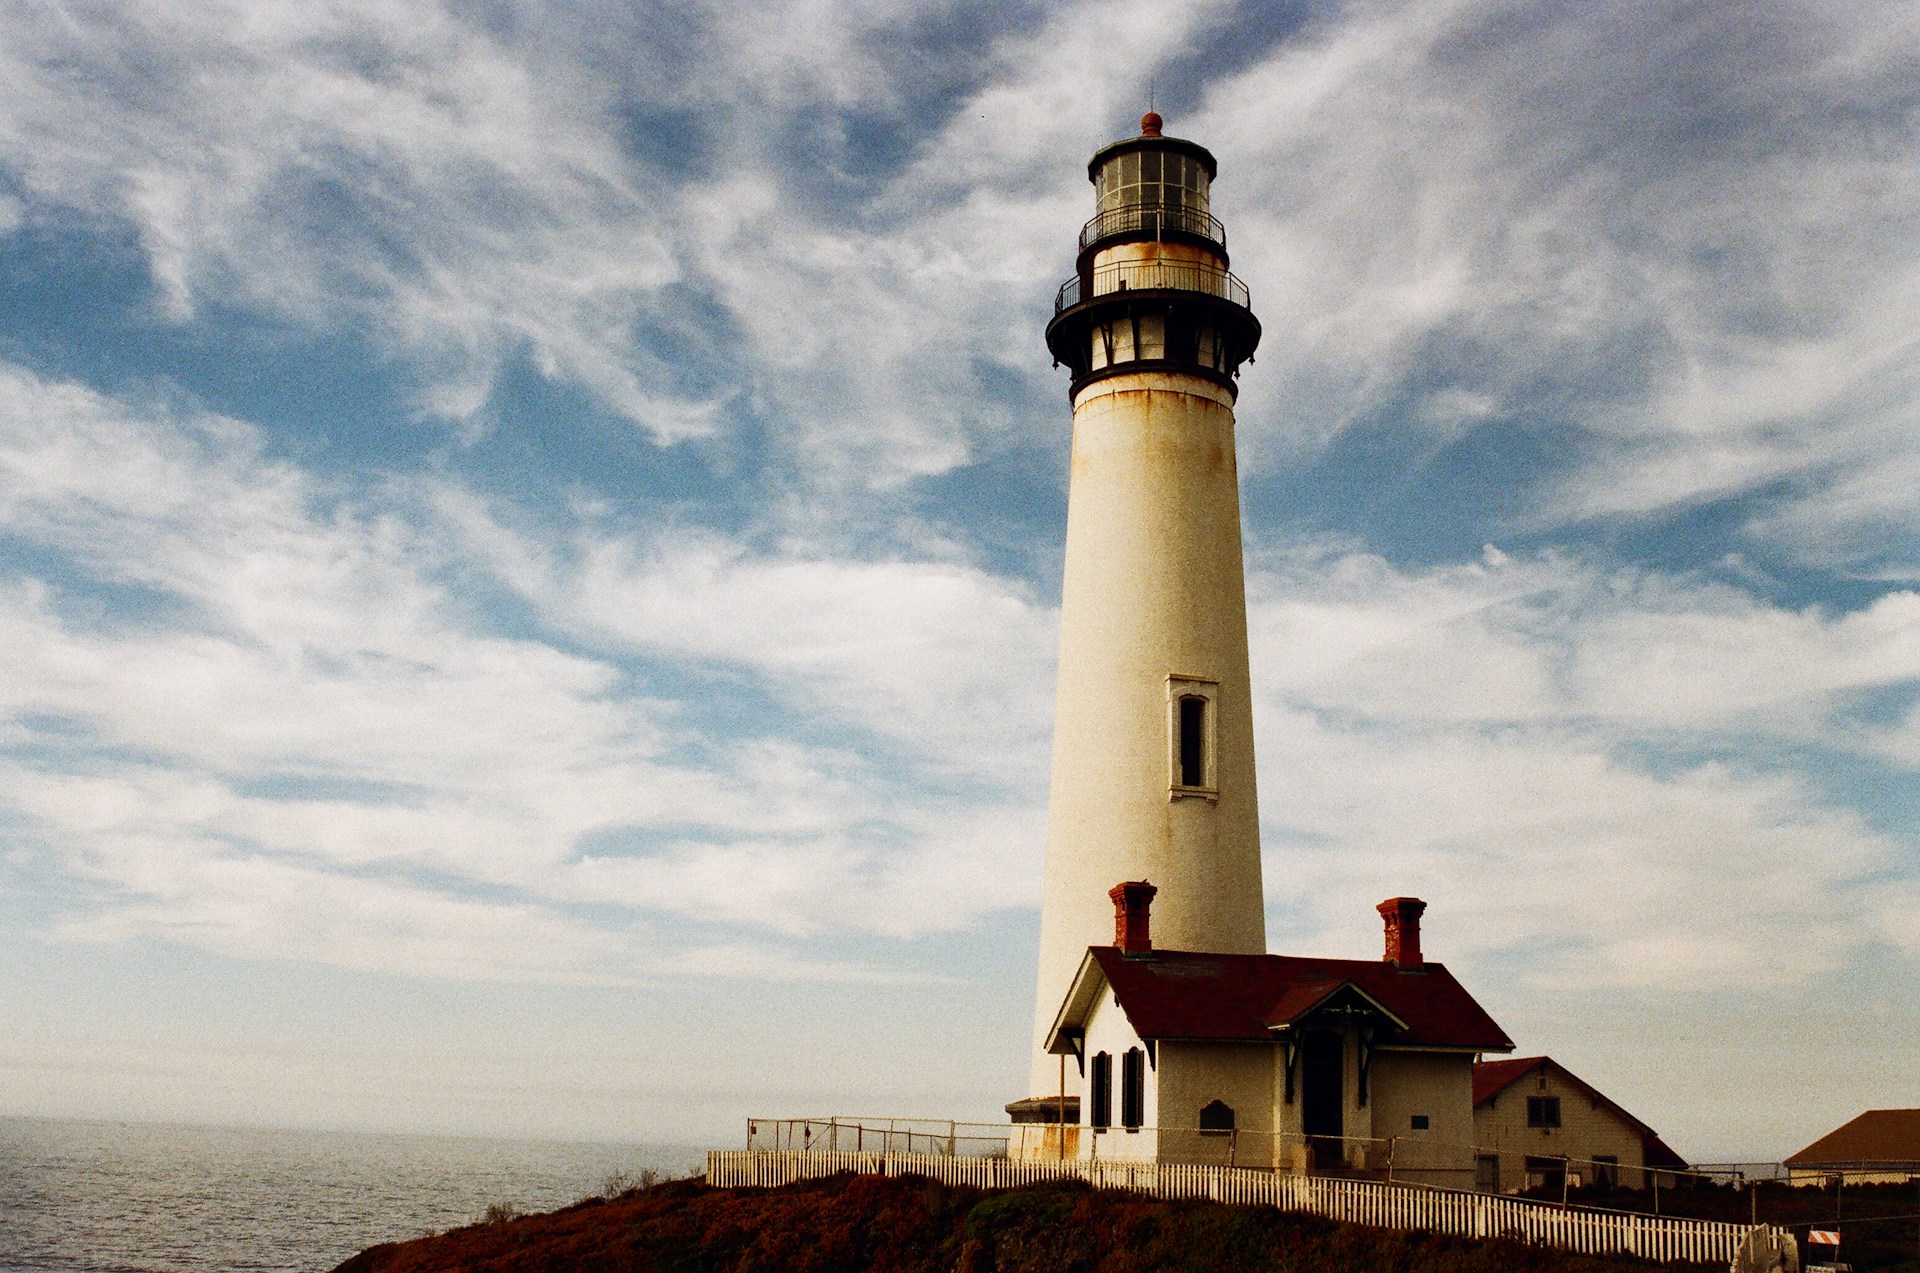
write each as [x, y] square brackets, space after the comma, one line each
[1605, 776]
[1684, 234]
[258, 713]
[947, 660]
[1677, 242]
[377, 166]
[1681, 238]
[1554, 636]
[711, 234]
[1542, 851]
[462, 196]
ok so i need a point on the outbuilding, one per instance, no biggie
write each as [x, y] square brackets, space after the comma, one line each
[1881, 1146]
[1537, 1125]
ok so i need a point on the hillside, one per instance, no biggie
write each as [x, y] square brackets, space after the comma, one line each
[917, 1226]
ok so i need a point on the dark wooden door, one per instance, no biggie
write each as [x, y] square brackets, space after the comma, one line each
[1323, 1095]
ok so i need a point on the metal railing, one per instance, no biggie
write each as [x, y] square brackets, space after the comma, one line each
[1136, 276]
[1421, 1155]
[1151, 218]
[847, 1133]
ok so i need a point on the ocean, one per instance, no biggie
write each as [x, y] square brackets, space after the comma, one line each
[110, 1197]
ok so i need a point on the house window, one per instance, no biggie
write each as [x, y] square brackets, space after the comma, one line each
[1100, 1085]
[1133, 1089]
[1549, 1174]
[1192, 726]
[1606, 1171]
[1216, 1118]
[1543, 1111]
[1421, 1122]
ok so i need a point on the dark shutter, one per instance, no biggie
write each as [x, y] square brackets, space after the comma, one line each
[1133, 1088]
[1100, 1078]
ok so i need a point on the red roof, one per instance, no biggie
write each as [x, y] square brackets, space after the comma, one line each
[1879, 1135]
[1490, 1078]
[1179, 994]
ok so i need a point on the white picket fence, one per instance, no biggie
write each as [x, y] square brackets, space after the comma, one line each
[1390, 1206]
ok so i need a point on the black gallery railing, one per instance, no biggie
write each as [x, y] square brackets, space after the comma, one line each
[1151, 218]
[1137, 276]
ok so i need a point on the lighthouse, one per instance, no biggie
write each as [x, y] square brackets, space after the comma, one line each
[1153, 775]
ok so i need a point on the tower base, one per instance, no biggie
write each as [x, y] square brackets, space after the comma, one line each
[1044, 1127]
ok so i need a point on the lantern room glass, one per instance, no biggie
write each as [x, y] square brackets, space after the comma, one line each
[1152, 178]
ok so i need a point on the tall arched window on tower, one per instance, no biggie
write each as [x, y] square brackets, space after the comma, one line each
[1100, 1083]
[1193, 741]
[1192, 704]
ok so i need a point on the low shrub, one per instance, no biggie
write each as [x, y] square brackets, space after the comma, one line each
[872, 1224]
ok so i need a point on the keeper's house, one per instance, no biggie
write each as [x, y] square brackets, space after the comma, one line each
[1881, 1146]
[1271, 1060]
[1539, 1126]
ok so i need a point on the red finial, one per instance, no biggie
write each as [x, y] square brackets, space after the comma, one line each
[1150, 124]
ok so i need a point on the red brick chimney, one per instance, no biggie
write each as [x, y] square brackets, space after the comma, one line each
[1403, 930]
[1131, 902]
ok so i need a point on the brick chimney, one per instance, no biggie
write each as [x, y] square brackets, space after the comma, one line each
[1402, 915]
[1131, 902]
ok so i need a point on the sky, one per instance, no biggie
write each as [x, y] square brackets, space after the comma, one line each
[530, 541]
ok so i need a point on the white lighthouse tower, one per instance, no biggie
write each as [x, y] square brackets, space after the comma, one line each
[1153, 737]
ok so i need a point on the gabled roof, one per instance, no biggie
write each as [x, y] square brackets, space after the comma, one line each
[1879, 1135]
[1304, 1000]
[1490, 1078]
[1179, 994]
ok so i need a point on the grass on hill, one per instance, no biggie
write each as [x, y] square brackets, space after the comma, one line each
[914, 1225]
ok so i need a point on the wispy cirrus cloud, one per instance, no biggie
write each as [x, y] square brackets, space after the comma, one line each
[1490, 733]
[1512, 640]
[944, 660]
[1683, 239]
[322, 705]
[457, 200]
[463, 197]
[466, 195]
[316, 702]
[1707, 285]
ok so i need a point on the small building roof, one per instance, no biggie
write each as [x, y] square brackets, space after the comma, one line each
[1180, 994]
[1877, 1136]
[1490, 1078]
